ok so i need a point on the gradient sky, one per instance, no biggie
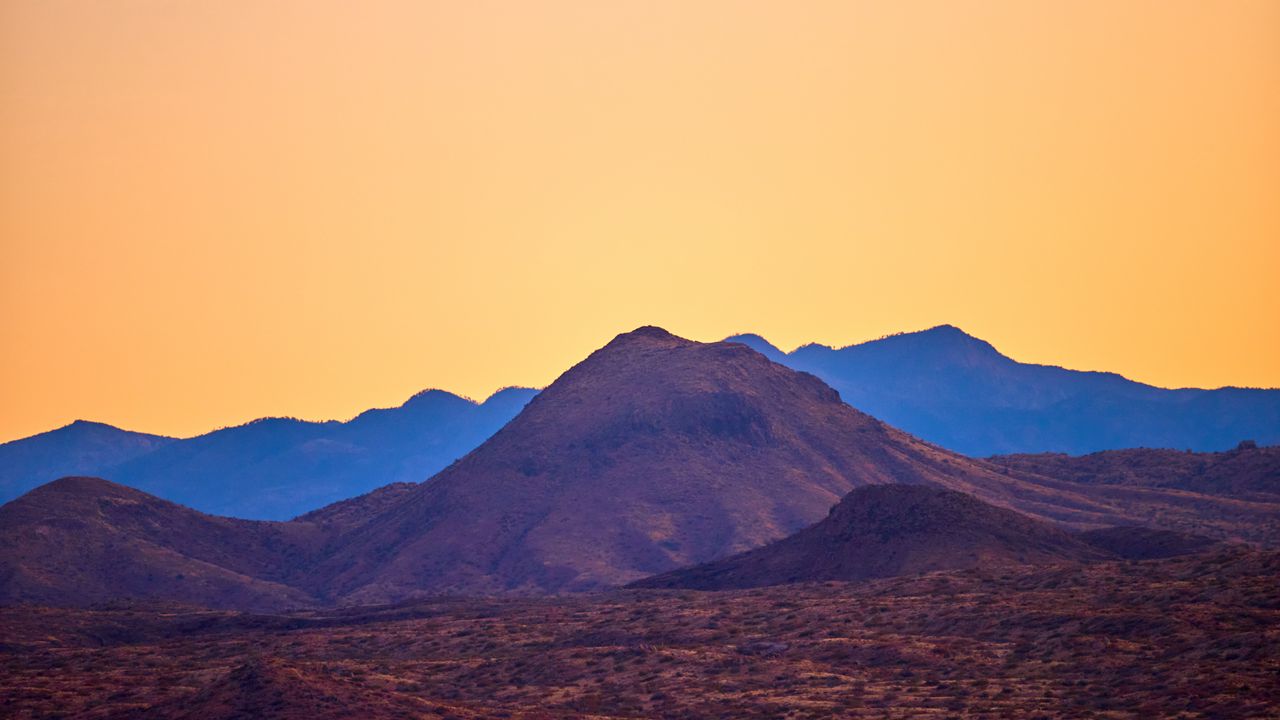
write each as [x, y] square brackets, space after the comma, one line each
[222, 209]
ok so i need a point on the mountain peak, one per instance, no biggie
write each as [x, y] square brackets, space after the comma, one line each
[759, 344]
[82, 485]
[940, 334]
[943, 333]
[91, 427]
[86, 424]
[652, 453]
[432, 397]
[939, 344]
[648, 334]
[512, 393]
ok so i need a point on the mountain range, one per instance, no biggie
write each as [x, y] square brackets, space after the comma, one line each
[959, 392]
[273, 468]
[940, 385]
[652, 454]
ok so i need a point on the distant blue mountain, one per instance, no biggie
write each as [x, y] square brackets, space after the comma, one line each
[959, 392]
[273, 468]
[80, 448]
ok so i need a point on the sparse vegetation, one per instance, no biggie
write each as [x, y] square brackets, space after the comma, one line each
[1190, 637]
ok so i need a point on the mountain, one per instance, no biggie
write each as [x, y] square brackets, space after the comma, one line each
[81, 448]
[955, 390]
[278, 468]
[654, 453]
[79, 541]
[891, 530]
[941, 385]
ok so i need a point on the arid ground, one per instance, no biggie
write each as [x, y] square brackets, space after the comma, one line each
[1190, 637]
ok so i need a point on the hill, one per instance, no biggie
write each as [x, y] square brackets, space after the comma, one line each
[958, 391]
[891, 530]
[80, 541]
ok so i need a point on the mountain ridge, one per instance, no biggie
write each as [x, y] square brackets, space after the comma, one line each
[276, 468]
[960, 392]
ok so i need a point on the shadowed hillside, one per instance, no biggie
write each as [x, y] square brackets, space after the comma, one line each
[79, 541]
[891, 530]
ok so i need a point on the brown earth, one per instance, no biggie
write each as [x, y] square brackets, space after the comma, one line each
[1190, 637]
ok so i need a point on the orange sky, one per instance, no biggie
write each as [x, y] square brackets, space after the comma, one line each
[216, 210]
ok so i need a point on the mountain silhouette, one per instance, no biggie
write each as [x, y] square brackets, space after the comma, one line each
[941, 385]
[276, 468]
[653, 453]
[81, 448]
[959, 392]
[890, 530]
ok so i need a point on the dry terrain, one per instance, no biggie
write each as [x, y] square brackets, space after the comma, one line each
[1189, 637]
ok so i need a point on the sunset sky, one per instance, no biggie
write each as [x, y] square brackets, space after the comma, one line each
[216, 210]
